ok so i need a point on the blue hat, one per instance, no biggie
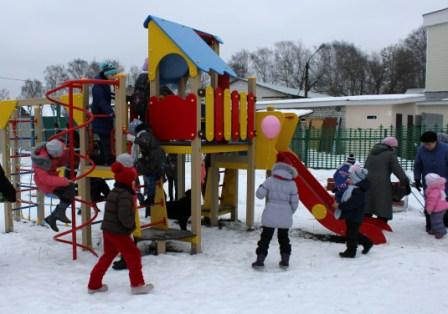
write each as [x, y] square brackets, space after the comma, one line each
[108, 69]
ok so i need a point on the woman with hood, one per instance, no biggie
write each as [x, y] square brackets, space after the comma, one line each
[381, 163]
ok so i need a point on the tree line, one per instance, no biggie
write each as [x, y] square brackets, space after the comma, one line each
[338, 68]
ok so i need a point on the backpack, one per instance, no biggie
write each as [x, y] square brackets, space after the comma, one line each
[140, 97]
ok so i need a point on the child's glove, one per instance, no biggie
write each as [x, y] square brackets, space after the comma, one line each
[130, 137]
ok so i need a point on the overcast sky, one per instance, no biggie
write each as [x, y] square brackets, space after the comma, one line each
[37, 33]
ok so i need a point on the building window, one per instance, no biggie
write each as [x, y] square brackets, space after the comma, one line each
[371, 117]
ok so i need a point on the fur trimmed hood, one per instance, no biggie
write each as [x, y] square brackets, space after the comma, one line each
[284, 170]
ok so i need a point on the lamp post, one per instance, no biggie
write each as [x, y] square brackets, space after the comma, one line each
[307, 68]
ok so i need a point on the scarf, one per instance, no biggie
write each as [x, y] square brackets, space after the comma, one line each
[348, 193]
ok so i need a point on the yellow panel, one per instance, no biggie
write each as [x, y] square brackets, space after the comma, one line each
[227, 115]
[160, 45]
[102, 172]
[78, 115]
[158, 210]
[6, 109]
[137, 231]
[243, 116]
[287, 131]
[265, 149]
[206, 149]
[209, 114]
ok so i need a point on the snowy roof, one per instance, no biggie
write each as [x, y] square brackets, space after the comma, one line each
[298, 112]
[286, 90]
[190, 43]
[387, 99]
[435, 17]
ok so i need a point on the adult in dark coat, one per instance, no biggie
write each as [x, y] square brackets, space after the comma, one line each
[381, 162]
[432, 156]
[6, 188]
[102, 105]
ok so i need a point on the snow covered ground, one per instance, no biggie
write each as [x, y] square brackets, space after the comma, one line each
[406, 275]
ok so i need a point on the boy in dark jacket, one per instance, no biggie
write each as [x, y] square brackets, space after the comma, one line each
[352, 205]
[118, 224]
[150, 159]
[102, 104]
[7, 190]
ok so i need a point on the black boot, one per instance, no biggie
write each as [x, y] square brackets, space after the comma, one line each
[120, 264]
[59, 213]
[259, 263]
[349, 252]
[367, 246]
[284, 263]
[51, 221]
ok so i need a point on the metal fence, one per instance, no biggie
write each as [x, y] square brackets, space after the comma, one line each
[327, 148]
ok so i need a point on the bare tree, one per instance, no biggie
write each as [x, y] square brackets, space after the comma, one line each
[289, 59]
[4, 93]
[375, 74]
[55, 75]
[416, 43]
[78, 68]
[134, 71]
[263, 63]
[32, 89]
[240, 63]
[94, 69]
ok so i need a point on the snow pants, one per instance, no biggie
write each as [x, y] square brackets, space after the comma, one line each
[266, 237]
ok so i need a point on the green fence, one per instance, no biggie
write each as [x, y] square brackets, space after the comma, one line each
[327, 148]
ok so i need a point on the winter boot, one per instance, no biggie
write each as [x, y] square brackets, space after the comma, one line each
[348, 253]
[51, 221]
[367, 245]
[59, 212]
[284, 263]
[103, 288]
[120, 264]
[143, 289]
[259, 263]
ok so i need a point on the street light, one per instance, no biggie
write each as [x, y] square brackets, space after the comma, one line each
[307, 68]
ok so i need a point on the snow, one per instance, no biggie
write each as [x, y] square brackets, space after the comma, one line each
[406, 275]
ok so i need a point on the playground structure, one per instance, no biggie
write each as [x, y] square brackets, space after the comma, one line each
[196, 120]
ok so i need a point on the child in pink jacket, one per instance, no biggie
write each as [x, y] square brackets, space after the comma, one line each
[46, 158]
[436, 203]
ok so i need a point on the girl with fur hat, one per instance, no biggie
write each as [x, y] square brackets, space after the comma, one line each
[46, 159]
[118, 224]
[280, 191]
[352, 205]
[436, 203]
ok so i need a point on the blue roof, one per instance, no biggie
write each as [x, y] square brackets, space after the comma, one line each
[190, 43]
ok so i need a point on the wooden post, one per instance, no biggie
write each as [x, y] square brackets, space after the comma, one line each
[234, 214]
[196, 159]
[5, 149]
[84, 183]
[213, 173]
[39, 132]
[181, 157]
[250, 194]
[121, 116]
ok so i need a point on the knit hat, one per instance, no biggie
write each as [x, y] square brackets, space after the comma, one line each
[108, 69]
[390, 141]
[357, 174]
[55, 148]
[428, 137]
[124, 170]
[351, 159]
[145, 65]
[434, 179]
[133, 126]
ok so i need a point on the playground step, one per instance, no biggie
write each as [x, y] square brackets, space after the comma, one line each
[154, 234]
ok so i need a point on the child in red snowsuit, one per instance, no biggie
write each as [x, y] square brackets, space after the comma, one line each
[118, 224]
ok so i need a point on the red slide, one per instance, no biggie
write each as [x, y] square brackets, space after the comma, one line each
[319, 202]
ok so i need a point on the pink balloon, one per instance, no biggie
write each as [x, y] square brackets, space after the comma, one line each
[270, 126]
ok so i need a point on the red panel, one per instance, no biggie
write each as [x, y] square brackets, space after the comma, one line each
[224, 81]
[250, 116]
[235, 115]
[173, 118]
[311, 192]
[219, 115]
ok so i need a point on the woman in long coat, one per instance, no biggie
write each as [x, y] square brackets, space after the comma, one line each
[381, 162]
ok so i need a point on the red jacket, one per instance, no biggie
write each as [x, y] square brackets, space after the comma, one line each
[45, 170]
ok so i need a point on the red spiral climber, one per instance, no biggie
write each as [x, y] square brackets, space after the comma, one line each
[71, 85]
